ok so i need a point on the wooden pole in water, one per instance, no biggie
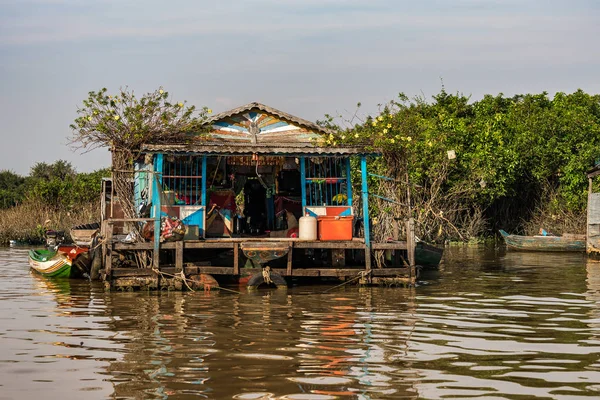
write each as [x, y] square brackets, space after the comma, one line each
[410, 241]
[108, 244]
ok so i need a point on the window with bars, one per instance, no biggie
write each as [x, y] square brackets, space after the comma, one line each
[327, 180]
[182, 180]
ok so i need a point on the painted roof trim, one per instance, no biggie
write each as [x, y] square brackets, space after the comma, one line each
[270, 110]
[248, 150]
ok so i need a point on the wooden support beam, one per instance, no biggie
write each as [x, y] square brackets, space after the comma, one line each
[391, 272]
[236, 259]
[125, 272]
[338, 258]
[410, 241]
[346, 244]
[179, 256]
[389, 246]
[108, 252]
[171, 245]
[209, 245]
[131, 219]
[305, 272]
[289, 261]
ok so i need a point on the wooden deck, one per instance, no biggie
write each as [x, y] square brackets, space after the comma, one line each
[337, 268]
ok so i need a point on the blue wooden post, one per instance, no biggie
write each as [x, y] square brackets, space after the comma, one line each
[201, 229]
[204, 179]
[303, 183]
[156, 189]
[365, 201]
[348, 182]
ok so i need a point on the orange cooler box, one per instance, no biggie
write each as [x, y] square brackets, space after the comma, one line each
[335, 228]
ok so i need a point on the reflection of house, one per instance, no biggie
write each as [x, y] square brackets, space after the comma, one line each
[247, 183]
[593, 216]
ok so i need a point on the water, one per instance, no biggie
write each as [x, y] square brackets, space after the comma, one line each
[488, 325]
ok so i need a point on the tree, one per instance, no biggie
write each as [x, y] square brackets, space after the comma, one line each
[124, 122]
[11, 189]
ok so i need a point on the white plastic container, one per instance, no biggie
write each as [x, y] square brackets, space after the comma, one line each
[307, 227]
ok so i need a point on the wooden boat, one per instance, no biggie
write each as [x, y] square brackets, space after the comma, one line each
[566, 242]
[263, 252]
[427, 255]
[65, 262]
[82, 235]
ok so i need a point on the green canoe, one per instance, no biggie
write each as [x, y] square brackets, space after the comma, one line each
[50, 263]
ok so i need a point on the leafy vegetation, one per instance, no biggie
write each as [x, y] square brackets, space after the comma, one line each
[53, 196]
[473, 167]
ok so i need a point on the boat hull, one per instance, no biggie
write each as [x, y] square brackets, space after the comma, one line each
[570, 243]
[67, 262]
[427, 255]
[263, 252]
[50, 264]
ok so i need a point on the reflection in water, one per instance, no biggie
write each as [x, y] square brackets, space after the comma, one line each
[491, 324]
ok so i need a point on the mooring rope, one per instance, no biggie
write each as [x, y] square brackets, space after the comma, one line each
[185, 281]
[361, 274]
[266, 273]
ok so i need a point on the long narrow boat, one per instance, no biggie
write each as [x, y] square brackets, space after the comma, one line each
[427, 255]
[566, 242]
[65, 262]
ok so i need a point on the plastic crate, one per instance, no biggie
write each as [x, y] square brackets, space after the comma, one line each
[335, 228]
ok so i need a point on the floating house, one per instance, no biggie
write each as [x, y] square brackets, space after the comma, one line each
[240, 190]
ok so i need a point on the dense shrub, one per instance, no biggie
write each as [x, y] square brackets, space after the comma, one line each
[516, 158]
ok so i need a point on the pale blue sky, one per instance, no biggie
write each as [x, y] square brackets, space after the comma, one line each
[305, 57]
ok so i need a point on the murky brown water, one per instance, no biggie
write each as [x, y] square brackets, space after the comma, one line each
[489, 324]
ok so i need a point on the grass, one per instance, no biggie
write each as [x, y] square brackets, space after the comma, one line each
[29, 221]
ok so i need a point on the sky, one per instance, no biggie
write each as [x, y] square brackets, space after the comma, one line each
[304, 57]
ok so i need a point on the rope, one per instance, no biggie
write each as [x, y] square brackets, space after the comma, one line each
[266, 273]
[182, 276]
[361, 274]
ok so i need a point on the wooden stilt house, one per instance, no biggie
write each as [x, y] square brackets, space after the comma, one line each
[240, 191]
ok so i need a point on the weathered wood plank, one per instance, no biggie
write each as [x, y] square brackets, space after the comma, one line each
[289, 262]
[212, 270]
[410, 241]
[301, 272]
[122, 272]
[330, 245]
[236, 259]
[391, 272]
[179, 256]
[208, 245]
[389, 246]
[130, 219]
[108, 259]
